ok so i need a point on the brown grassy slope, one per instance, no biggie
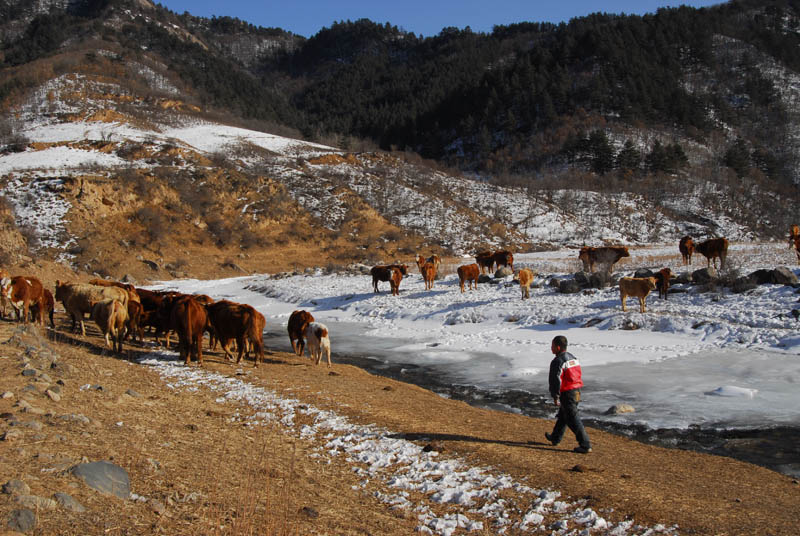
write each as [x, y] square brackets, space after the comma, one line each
[197, 449]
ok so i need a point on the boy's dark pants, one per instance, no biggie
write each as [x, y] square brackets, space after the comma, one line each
[568, 417]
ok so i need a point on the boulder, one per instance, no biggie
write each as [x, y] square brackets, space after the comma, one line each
[619, 409]
[569, 286]
[104, 477]
[784, 276]
[22, 520]
[505, 271]
[705, 275]
[643, 272]
[483, 278]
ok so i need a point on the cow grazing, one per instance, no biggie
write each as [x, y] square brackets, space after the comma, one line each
[189, 319]
[111, 317]
[470, 273]
[79, 299]
[46, 305]
[525, 278]
[435, 260]
[239, 322]
[794, 234]
[636, 286]
[383, 272]
[485, 260]
[428, 274]
[662, 282]
[686, 247]
[318, 341]
[23, 292]
[298, 321]
[713, 248]
[605, 256]
[503, 258]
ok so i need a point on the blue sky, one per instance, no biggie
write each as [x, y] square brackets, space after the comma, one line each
[307, 17]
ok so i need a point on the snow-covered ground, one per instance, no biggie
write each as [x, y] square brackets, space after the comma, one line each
[714, 359]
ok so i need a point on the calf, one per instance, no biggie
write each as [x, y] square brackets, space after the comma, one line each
[394, 281]
[636, 286]
[111, 317]
[298, 321]
[318, 341]
[794, 234]
[468, 272]
[428, 274]
[662, 282]
[383, 272]
[525, 278]
[713, 248]
[23, 292]
[686, 247]
[46, 306]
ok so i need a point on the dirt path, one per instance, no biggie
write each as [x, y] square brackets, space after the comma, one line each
[197, 467]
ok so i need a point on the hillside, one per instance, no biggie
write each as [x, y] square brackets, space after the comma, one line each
[132, 111]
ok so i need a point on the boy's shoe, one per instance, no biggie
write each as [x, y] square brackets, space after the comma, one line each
[582, 450]
[549, 437]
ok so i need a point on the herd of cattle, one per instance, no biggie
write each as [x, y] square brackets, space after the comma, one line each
[603, 257]
[121, 310]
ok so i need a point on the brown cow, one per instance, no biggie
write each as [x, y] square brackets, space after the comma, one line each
[111, 317]
[525, 278]
[485, 260]
[189, 319]
[23, 292]
[298, 321]
[503, 258]
[713, 248]
[79, 298]
[662, 282]
[605, 256]
[794, 234]
[636, 286]
[468, 272]
[686, 247]
[428, 271]
[394, 281]
[318, 342]
[132, 294]
[134, 325]
[239, 322]
[46, 305]
[383, 272]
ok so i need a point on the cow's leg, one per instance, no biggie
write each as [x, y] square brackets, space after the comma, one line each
[623, 297]
[198, 344]
[641, 304]
[240, 345]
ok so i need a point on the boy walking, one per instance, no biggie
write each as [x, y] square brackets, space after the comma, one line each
[565, 388]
